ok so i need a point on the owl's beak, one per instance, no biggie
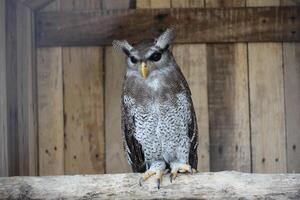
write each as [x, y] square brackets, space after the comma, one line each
[144, 70]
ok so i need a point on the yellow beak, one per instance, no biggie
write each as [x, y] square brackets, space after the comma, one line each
[144, 70]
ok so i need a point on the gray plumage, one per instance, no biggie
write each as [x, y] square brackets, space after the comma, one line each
[158, 120]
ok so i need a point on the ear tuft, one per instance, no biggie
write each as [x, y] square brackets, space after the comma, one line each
[122, 46]
[166, 38]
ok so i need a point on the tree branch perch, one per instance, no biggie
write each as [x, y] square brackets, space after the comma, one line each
[220, 185]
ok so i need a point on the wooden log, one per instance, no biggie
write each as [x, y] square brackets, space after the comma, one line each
[220, 185]
[192, 24]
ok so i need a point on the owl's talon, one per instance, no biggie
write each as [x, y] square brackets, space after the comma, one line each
[158, 183]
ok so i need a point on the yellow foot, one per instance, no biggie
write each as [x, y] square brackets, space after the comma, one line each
[150, 173]
[180, 167]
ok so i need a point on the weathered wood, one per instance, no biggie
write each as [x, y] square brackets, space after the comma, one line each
[224, 3]
[3, 97]
[267, 103]
[221, 185]
[36, 4]
[222, 25]
[193, 63]
[115, 67]
[228, 107]
[291, 63]
[71, 5]
[50, 111]
[267, 108]
[153, 4]
[12, 86]
[83, 110]
[27, 91]
[187, 3]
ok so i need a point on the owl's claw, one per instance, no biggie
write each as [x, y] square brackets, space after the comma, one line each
[150, 173]
[178, 167]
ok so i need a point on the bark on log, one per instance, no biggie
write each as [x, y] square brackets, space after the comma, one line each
[220, 185]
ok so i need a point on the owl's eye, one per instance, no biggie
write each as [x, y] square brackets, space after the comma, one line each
[155, 56]
[133, 59]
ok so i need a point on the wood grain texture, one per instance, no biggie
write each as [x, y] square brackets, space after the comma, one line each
[291, 63]
[289, 2]
[221, 185]
[83, 110]
[259, 3]
[3, 97]
[187, 3]
[228, 107]
[224, 3]
[36, 4]
[69, 5]
[267, 107]
[12, 86]
[27, 93]
[50, 111]
[153, 4]
[192, 61]
[115, 67]
[246, 24]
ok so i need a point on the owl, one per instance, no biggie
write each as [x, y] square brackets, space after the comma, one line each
[159, 125]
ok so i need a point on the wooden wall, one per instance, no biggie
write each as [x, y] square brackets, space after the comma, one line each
[246, 97]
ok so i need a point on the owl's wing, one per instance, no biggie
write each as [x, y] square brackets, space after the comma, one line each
[192, 127]
[133, 149]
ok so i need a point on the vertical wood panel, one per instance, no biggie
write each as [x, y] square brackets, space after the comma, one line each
[26, 75]
[11, 85]
[228, 107]
[228, 102]
[50, 111]
[292, 104]
[267, 107]
[267, 103]
[224, 3]
[83, 107]
[115, 67]
[289, 2]
[187, 3]
[258, 3]
[50, 107]
[3, 109]
[68, 5]
[192, 61]
[153, 3]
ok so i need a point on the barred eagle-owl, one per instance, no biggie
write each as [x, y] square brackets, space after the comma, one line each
[158, 119]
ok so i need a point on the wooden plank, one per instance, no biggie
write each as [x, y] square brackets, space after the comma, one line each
[50, 111]
[68, 5]
[228, 107]
[267, 107]
[192, 61]
[268, 135]
[289, 2]
[153, 4]
[36, 4]
[224, 3]
[221, 185]
[83, 107]
[187, 3]
[27, 102]
[118, 4]
[222, 25]
[11, 90]
[3, 100]
[257, 3]
[291, 63]
[115, 67]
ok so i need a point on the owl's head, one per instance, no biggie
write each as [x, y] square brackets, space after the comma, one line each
[147, 57]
